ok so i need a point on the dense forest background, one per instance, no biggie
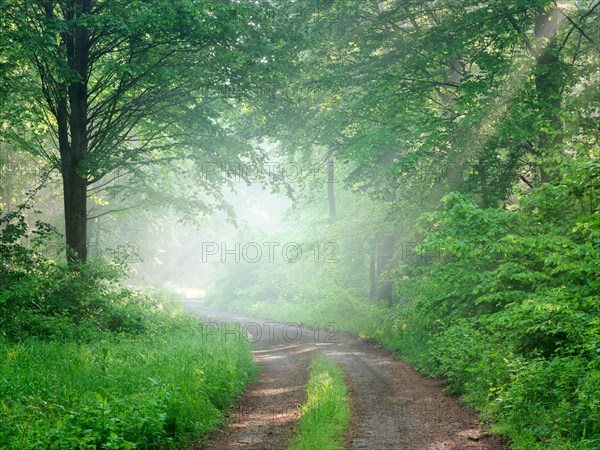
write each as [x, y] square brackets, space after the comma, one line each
[431, 166]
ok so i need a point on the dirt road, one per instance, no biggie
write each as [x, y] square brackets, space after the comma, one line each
[393, 407]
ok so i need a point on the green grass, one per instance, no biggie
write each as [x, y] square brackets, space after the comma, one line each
[152, 391]
[87, 363]
[326, 414]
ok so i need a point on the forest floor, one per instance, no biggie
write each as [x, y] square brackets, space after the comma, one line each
[392, 405]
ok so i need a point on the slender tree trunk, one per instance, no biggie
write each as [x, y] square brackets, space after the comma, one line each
[330, 185]
[481, 169]
[373, 273]
[8, 191]
[549, 80]
[386, 254]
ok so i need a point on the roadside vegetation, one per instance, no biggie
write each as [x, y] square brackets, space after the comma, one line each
[500, 302]
[88, 363]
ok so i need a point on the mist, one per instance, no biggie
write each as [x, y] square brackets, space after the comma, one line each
[299, 224]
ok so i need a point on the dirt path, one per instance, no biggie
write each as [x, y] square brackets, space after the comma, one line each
[393, 407]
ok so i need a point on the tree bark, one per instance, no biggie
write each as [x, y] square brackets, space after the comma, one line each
[330, 185]
[73, 137]
[8, 190]
[373, 274]
[386, 254]
[75, 204]
[548, 80]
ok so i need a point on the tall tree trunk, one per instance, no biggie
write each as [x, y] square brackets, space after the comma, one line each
[8, 186]
[73, 136]
[373, 271]
[549, 80]
[75, 203]
[386, 254]
[483, 184]
[330, 185]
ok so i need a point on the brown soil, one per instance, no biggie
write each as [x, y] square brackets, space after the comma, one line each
[393, 406]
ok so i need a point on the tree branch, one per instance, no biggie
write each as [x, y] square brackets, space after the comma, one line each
[113, 211]
[577, 27]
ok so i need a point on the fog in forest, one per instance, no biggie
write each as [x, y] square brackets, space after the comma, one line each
[412, 187]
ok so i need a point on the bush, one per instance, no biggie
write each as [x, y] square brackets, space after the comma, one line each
[88, 363]
[510, 314]
[48, 300]
[551, 402]
[472, 360]
[142, 392]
